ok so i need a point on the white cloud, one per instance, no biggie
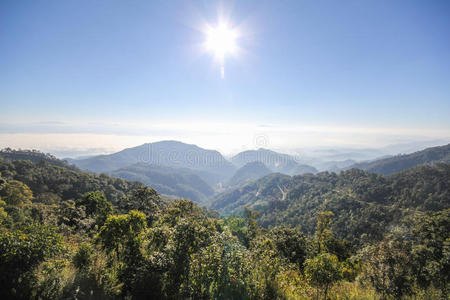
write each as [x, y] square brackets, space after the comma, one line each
[228, 137]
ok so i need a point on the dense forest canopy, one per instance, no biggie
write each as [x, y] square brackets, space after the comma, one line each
[65, 233]
[364, 204]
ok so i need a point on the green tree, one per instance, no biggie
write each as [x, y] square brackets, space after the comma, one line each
[120, 229]
[322, 271]
[291, 244]
[16, 193]
[122, 237]
[323, 233]
[252, 224]
[389, 268]
[96, 205]
[144, 199]
[21, 251]
[431, 251]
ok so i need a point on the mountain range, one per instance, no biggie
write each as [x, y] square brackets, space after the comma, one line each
[399, 163]
[359, 199]
[275, 161]
[185, 170]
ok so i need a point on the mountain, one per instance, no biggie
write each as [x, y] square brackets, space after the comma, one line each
[251, 171]
[181, 182]
[52, 180]
[165, 153]
[277, 162]
[399, 163]
[358, 199]
[334, 166]
[35, 156]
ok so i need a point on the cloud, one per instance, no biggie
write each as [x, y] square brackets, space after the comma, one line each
[227, 137]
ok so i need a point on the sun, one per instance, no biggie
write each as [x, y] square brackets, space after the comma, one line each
[221, 40]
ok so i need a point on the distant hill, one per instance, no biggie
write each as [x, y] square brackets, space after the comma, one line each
[251, 171]
[35, 156]
[51, 181]
[165, 153]
[277, 162]
[399, 163]
[334, 166]
[364, 203]
[181, 182]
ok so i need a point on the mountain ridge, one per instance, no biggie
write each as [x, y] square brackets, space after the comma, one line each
[401, 162]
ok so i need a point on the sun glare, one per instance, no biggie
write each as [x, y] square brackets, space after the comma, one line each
[221, 40]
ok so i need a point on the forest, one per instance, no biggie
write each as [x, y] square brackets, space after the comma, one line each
[71, 234]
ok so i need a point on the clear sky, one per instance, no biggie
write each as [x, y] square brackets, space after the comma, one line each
[107, 74]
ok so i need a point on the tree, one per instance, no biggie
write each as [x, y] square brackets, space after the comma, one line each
[118, 230]
[96, 205]
[122, 237]
[20, 252]
[252, 225]
[323, 233]
[389, 268]
[144, 199]
[322, 271]
[291, 244]
[220, 270]
[16, 193]
[431, 250]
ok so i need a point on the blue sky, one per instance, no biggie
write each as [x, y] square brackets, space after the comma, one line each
[137, 69]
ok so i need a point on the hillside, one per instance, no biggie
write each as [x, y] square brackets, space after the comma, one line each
[365, 203]
[35, 156]
[165, 153]
[181, 182]
[50, 182]
[249, 172]
[73, 234]
[276, 162]
[399, 163]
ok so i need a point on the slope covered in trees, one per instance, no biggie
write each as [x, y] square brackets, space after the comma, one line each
[181, 182]
[365, 204]
[249, 172]
[50, 182]
[72, 234]
[35, 156]
[165, 153]
[399, 163]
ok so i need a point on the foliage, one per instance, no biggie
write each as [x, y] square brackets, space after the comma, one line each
[16, 193]
[21, 251]
[365, 205]
[95, 205]
[322, 271]
[144, 247]
[51, 184]
[388, 268]
[144, 199]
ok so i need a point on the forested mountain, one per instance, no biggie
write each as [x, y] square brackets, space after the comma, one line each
[69, 234]
[165, 153]
[249, 172]
[35, 156]
[365, 204]
[277, 162]
[52, 183]
[399, 163]
[180, 182]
